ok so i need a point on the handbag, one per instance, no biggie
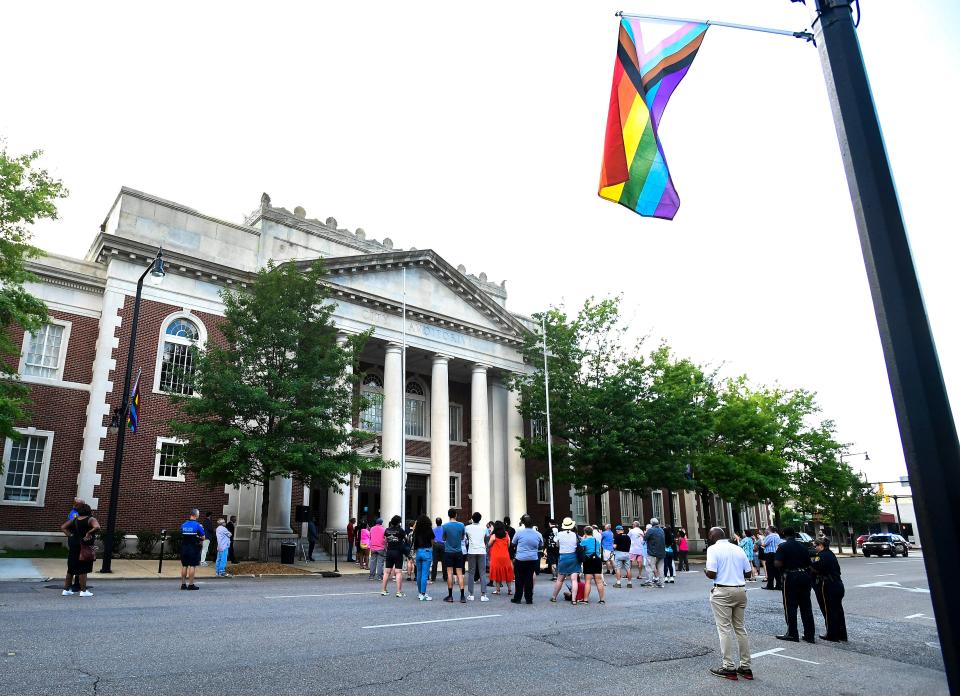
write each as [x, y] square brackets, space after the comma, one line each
[87, 551]
[581, 552]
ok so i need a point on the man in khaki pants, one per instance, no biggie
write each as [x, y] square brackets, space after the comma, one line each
[728, 567]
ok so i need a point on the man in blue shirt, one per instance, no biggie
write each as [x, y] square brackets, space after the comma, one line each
[192, 532]
[606, 543]
[453, 532]
[770, 543]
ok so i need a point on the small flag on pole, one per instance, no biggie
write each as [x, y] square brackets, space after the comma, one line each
[133, 413]
[634, 172]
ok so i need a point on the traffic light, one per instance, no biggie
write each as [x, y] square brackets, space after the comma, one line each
[886, 498]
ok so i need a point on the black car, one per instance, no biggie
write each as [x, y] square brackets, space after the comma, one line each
[883, 544]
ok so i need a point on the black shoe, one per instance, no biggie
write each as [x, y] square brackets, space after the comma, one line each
[514, 601]
[811, 639]
[183, 586]
[529, 601]
[745, 673]
[192, 587]
[448, 599]
[792, 639]
[730, 674]
[832, 640]
[463, 600]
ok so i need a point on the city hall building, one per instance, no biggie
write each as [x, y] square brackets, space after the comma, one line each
[451, 412]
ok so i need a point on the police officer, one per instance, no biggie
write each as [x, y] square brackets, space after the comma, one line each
[793, 562]
[828, 587]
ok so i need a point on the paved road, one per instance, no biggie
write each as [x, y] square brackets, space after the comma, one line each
[338, 636]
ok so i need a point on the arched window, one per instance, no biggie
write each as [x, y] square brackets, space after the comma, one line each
[180, 334]
[371, 389]
[416, 410]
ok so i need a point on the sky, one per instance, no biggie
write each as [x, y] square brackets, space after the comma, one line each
[476, 129]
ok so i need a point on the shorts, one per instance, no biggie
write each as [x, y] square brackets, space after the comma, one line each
[394, 560]
[453, 559]
[607, 555]
[189, 556]
[638, 557]
[592, 565]
[621, 561]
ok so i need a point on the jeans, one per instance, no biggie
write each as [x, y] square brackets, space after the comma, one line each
[668, 565]
[437, 558]
[477, 565]
[377, 559]
[222, 561]
[350, 551]
[424, 560]
[313, 544]
[683, 563]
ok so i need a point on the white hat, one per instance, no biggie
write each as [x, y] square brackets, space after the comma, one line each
[568, 523]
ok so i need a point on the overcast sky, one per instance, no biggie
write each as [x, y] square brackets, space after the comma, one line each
[476, 129]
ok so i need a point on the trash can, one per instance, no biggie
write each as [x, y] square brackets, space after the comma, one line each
[288, 551]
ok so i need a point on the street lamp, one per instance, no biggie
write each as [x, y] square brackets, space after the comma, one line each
[119, 420]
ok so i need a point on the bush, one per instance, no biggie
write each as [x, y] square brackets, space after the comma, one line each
[119, 540]
[146, 542]
[174, 540]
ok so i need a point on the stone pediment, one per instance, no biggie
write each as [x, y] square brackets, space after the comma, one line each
[436, 291]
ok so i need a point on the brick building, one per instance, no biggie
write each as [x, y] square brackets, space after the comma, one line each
[459, 424]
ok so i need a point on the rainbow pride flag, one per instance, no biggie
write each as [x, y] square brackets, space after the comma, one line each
[634, 172]
[133, 412]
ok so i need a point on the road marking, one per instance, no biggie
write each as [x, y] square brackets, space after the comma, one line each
[417, 623]
[767, 652]
[919, 616]
[890, 584]
[932, 645]
[329, 594]
[776, 653]
[787, 657]
[884, 575]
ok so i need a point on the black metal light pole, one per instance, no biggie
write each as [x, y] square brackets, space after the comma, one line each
[927, 430]
[120, 416]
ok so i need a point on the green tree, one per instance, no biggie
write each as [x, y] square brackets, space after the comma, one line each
[273, 399]
[27, 194]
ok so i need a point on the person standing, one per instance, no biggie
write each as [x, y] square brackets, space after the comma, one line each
[636, 547]
[437, 551]
[828, 587]
[746, 543]
[553, 553]
[363, 543]
[501, 569]
[232, 528]
[792, 561]
[771, 542]
[77, 502]
[477, 555]
[192, 534]
[683, 550]
[592, 564]
[377, 550]
[453, 534]
[394, 540]
[527, 544]
[79, 530]
[655, 552]
[668, 548]
[223, 547]
[423, 551]
[621, 556]
[606, 543]
[312, 535]
[567, 542]
[209, 533]
[351, 542]
[728, 567]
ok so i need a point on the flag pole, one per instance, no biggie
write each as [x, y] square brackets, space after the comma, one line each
[403, 403]
[546, 393]
[806, 35]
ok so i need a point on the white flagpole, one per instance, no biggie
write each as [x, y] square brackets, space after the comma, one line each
[546, 391]
[403, 405]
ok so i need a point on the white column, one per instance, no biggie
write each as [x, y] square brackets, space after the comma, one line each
[440, 437]
[498, 452]
[278, 517]
[516, 468]
[338, 496]
[391, 486]
[479, 442]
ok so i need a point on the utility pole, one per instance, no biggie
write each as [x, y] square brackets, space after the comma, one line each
[928, 432]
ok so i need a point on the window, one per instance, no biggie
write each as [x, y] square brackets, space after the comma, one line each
[44, 352]
[605, 508]
[718, 508]
[676, 509]
[456, 423]
[752, 516]
[371, 419]
[631, 506]
[657, 499]
[538, 429]
[543, 490]
[26, 462]
[415, 423]
[180, 335]
[168, 465]
[579, 506]
[455, 490]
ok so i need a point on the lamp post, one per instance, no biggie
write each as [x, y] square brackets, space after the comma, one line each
[866, 458]
[118, 423]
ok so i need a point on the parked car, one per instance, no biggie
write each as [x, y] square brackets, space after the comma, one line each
[807, 541]
[862, 538]
[883, 544]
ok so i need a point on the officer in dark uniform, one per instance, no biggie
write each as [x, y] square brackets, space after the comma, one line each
[793, 562]
[828, 587]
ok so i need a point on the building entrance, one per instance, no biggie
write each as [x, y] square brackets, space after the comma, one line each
[416, 496]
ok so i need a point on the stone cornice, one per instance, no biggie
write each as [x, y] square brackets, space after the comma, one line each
[66, 278]
[127, 191]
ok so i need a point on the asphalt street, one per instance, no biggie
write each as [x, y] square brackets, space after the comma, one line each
[339, 636]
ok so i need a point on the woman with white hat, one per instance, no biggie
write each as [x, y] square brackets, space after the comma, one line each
[567, 541]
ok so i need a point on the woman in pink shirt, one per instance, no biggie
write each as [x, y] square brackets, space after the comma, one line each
[682, 548]
[364, 554]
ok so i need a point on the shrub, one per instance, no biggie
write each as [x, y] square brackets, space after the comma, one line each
[174, 540]
[146, 542]
[119, 540]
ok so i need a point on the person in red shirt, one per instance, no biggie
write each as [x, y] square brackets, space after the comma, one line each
[350, 539]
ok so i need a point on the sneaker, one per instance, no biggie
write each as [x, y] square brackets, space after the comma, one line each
[183, 586]
[629, 584]
[86, 593]
[427, 598]
[470, 597]
[192, 587]
[484, 598]
[448, 599]
[730, 674]
[420, 596]
[745, 673]
[204, 563]
[383, 593]
[617, 585]
[463, 600]
[401, 594]
[68, 593]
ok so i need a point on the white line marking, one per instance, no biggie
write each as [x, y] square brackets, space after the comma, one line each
[329, 594]
[884, 575]
[767, 652]
[920, 616]
[893, 585]
[787, 657]
[417, 623]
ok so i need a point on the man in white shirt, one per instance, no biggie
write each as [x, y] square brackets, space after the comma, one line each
[476, 540]
[728, 567]
[636, 548]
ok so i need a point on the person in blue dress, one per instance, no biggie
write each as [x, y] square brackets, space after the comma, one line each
[192, 532]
